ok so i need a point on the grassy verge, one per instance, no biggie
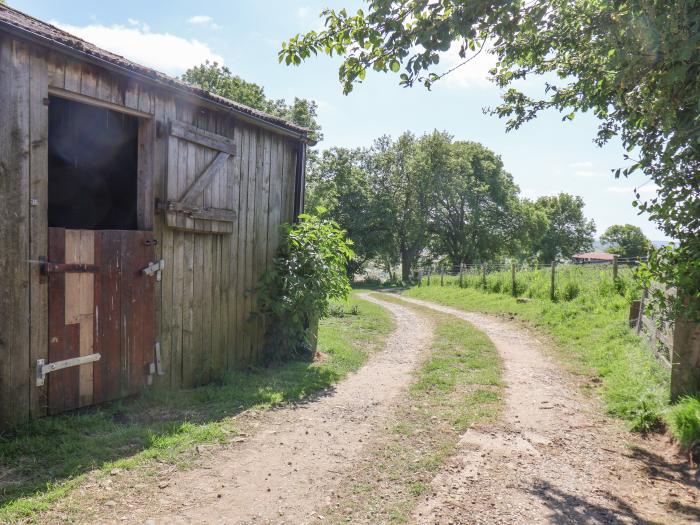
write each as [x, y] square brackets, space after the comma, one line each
[457, 387]
[45, 460]
[591, 333]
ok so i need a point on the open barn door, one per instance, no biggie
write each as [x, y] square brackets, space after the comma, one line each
[101, 323]
[101, 265]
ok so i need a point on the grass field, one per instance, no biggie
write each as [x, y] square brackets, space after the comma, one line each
[44, 460]
[571, 281]
[589, 326]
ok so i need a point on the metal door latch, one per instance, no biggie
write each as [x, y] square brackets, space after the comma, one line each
[43, 368]
[154, 268]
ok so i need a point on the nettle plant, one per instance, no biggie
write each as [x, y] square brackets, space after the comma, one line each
[309, 271]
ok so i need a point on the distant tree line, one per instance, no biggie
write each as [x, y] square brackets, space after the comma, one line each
[411, 197]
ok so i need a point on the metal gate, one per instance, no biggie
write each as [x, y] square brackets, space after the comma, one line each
[101, 315]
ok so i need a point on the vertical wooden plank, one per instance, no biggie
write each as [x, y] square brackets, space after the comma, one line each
[63, 340]
[169, 187]
[72, 76]
[262, 196]
[86, 316]
[56, 70]
[275, 203]
[231, 254]
[108, 323]
[146, 152]
[14, 231]
[38, 222]
[253, 169]
[241, 246]
[189, 353]
[88, 81]
[131, 94]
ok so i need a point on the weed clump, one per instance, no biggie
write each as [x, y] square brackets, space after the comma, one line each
[683, 419]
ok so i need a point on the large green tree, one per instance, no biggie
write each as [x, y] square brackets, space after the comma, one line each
[473, 199]
[338, 182]
[626, 240]
[403, 189]
[634, 63]
[221, 81]
[568, 230]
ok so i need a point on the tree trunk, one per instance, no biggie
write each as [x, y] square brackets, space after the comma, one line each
[406, 261]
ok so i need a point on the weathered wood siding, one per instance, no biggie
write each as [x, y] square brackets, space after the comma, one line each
[205, 300]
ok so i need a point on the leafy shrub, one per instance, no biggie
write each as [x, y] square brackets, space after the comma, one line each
[684, 420]
[309, 270]
[571, 291]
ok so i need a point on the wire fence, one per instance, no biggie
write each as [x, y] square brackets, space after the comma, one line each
[557, 282]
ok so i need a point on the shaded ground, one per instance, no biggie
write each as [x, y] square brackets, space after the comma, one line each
[287, 462]
[553, 458]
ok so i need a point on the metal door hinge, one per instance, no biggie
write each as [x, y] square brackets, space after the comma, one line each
[154, 268]
[43, 368]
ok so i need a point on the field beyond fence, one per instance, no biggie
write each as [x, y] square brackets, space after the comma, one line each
[559, 282]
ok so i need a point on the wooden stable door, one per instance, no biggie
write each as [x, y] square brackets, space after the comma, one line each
[100, 302]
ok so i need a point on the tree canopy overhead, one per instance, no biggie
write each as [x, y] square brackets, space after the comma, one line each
[634, 63]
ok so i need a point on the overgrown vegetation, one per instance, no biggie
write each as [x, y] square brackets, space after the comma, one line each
[592, 333]
[684, 421]
[294, 292]
[456, 388]
[42, 462]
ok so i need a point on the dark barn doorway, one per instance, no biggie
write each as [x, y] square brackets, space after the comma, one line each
[93, 165]
[101, 308]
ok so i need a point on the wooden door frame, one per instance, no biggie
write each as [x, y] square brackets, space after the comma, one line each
[144, 158]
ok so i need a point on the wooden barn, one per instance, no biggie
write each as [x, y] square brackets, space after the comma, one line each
[136, 216]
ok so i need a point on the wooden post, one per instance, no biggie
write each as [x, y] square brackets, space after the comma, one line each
[552, 286]
[483, 275]
[615, 267]
[442, 276]
[430, 270]
[461, 275]
[685, 359]
[512, 275]
[420, 278]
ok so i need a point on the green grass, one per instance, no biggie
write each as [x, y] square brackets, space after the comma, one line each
[44, 460]
[571, 281]
[684, 420]
[592, 334]
[457, 387]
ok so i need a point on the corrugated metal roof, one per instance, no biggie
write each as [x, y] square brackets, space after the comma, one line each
[32, 27]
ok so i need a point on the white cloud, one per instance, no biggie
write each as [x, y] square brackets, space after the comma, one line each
[200, 19]
[581, 165]
[162, 51]
[303, 12]
[474, 74]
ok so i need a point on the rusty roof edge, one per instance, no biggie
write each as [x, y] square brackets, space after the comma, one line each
[290, 131]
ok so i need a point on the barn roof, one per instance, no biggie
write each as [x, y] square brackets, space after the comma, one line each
[17, 22]
[595, 256]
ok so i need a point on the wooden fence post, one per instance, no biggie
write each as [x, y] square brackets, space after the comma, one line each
[552, 286]
[512, 275]
[615, 267]
[430, 270]
[442, 276]
[420, 278]
[461, 275]
[483, 275]
[685, 359]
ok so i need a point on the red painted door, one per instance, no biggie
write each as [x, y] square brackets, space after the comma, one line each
[100, 302]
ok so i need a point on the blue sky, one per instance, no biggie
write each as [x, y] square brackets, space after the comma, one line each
[545, 157]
